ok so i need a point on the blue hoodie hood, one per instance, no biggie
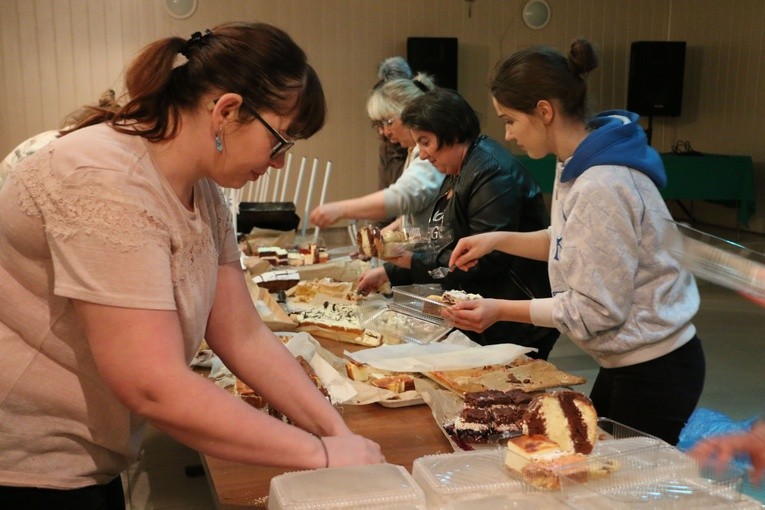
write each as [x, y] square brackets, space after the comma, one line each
[616, 139]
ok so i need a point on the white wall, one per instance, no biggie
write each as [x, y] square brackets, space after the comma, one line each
[58, 54]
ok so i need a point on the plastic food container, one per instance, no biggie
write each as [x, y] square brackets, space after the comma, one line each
[718, 260]
[375, 487]
[413, 299]
[392, 319]
[660, 478]
[523, 501]
[649, 473]
[620, 451]
[463, 476]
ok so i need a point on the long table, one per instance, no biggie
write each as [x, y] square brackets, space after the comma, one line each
[404, 433]
[711, 177]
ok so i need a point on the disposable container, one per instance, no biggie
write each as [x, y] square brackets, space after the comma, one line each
[660, 480]
[620, 451]
[718, 260]
[649, 473]
[413, 299]
[522, 501]
[392, 319]
[375, 487]
[463, 476]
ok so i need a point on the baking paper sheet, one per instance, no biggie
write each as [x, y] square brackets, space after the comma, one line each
[453, 353]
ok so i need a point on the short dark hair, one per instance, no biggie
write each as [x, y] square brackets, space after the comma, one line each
[444, 113]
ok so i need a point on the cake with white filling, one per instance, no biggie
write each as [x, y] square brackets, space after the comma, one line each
[488, 413]
[373, 243]
[566, 417]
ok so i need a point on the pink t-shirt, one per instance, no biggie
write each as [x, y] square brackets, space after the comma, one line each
[89, 217]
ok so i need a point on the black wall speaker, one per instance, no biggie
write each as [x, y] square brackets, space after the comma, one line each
[436, 56]
[656, 78]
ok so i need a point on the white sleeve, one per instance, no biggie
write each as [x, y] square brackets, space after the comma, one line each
[541, 310]
[416, 189]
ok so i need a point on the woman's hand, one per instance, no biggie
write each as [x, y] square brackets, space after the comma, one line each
[399, 257]
[392, 226]
[371, 280]
[326, 215]
[718, 451]
[469, 249]
[474, 315]
[351, 450]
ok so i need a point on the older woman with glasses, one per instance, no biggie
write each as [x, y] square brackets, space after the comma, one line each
[486, 189]
[119, 257]
[414, 192]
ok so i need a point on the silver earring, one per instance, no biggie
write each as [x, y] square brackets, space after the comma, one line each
[218, 143]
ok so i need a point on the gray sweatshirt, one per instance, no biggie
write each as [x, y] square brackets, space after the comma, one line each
[617, 292]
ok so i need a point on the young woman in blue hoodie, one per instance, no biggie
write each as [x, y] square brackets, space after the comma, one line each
[616, 291]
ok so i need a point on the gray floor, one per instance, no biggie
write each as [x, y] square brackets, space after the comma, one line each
[731, 328]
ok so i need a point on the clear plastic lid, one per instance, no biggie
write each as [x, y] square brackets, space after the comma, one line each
[718, 260]
[375, 486]
[519, 501]
[414, 300]
[458, 473]
[386, 317]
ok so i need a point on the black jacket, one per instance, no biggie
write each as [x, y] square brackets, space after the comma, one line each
[492, 192]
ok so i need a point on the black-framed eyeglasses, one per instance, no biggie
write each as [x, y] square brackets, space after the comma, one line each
[282, 144]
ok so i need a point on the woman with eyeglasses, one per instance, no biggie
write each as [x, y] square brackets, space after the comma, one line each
[485, 190]
[414, 192]
[119, 257]
[392, 156]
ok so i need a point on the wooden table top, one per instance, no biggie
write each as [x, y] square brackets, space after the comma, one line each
[404, 433]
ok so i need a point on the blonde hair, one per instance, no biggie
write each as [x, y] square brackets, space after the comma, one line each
[391, 98]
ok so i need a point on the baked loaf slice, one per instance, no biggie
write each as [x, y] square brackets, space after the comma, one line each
[566, 417]
[307, 290]
[541, 462]
[336, 321]
[250, 396]
[398, 383]
[373, 243]
[433, 304]
[385, 379]
[274, 281]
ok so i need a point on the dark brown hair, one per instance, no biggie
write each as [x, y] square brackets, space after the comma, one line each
[255, 60]
[90, 114]
[528, 76]
[444, 113]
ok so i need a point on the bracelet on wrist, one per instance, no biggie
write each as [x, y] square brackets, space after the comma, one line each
[326, 451]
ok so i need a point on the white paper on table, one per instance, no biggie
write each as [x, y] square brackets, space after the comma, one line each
[437, 356]
[338, 387]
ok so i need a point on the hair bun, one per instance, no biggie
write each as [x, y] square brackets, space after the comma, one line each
[581, 57]
[393, 68]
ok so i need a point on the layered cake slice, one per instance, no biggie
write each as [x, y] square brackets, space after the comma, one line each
[488, 413]
[373, 243]
[566, 417]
